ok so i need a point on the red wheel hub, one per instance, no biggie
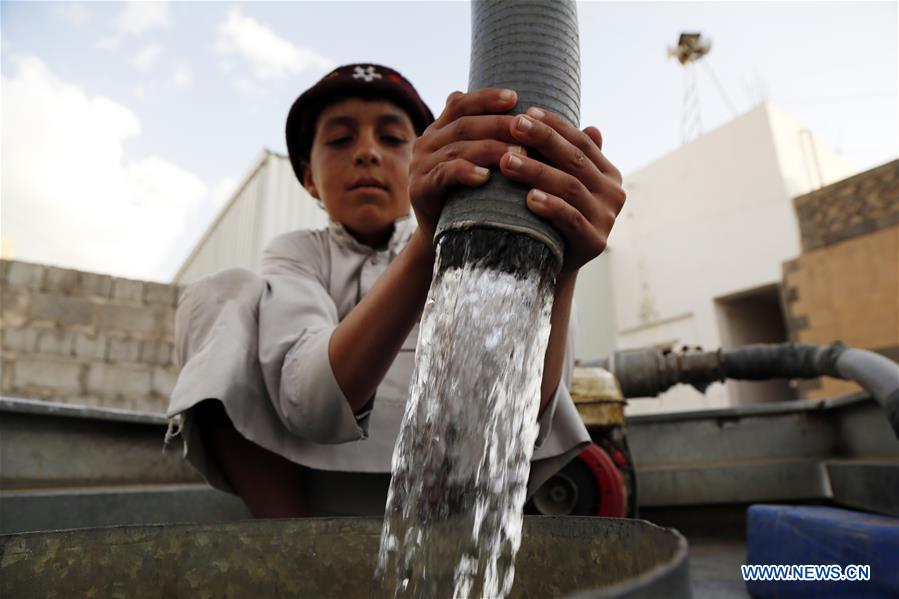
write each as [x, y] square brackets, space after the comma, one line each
[589, 485]
[612, 491]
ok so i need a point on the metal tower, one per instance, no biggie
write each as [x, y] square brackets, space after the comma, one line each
[690, 48]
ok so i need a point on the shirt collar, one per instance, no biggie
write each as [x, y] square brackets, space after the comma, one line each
[403, 228]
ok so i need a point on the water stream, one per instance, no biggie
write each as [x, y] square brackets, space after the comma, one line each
[453, 518]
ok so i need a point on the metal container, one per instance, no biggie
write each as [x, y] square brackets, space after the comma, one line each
[326, 557]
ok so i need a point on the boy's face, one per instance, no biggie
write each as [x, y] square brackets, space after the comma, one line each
[359, 166]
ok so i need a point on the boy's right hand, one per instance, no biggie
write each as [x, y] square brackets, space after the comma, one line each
[460, 148]
[573, 185]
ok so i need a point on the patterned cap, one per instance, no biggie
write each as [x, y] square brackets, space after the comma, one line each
[352, 80]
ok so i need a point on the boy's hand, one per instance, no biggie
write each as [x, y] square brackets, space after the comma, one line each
[577, 189]
[459, 148]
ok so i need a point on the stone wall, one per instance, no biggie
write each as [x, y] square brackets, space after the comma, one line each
[850, 208]
[845, 285]
[85, 338]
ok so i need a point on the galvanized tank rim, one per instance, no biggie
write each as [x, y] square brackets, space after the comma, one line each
[667, 574]
[635, 587]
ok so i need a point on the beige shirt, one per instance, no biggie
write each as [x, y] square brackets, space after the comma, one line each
[290, 401]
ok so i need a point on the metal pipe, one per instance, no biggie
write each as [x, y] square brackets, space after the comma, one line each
[532, 47]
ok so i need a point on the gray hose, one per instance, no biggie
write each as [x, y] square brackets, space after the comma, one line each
[648, 371]
[878, 375]
[530, 46]
[764, 361]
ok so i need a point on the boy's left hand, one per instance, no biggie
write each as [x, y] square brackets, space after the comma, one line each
[577, 189]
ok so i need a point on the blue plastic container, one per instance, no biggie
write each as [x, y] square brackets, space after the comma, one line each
[823, 536]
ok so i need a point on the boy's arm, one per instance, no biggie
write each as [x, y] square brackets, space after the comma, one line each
[366, 342]
[554, 361]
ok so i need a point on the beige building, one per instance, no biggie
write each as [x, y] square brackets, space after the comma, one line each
[845, 284]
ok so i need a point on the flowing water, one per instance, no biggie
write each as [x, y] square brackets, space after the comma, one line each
[453, 518]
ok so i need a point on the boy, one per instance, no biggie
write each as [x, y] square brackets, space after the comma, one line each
[294, 383]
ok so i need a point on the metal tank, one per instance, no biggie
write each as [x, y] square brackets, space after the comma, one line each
[583, 558]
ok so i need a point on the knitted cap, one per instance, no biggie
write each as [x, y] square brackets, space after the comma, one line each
[352, 80]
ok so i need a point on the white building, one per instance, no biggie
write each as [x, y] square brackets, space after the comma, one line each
[694, 259]
[695, 256]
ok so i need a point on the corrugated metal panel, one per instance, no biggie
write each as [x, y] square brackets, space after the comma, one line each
[287, 204]
[269, 202]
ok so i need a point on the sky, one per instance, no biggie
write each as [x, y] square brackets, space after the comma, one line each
[126, 126]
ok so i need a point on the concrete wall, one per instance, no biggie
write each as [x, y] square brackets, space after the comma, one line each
[85, 338]
[711, 221]
[806, 163]
[845, 285]
[595, 309]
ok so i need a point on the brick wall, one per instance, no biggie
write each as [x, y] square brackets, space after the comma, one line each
[85, 338]
[845, 285]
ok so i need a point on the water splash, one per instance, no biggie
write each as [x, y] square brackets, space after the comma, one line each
[453, 518]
